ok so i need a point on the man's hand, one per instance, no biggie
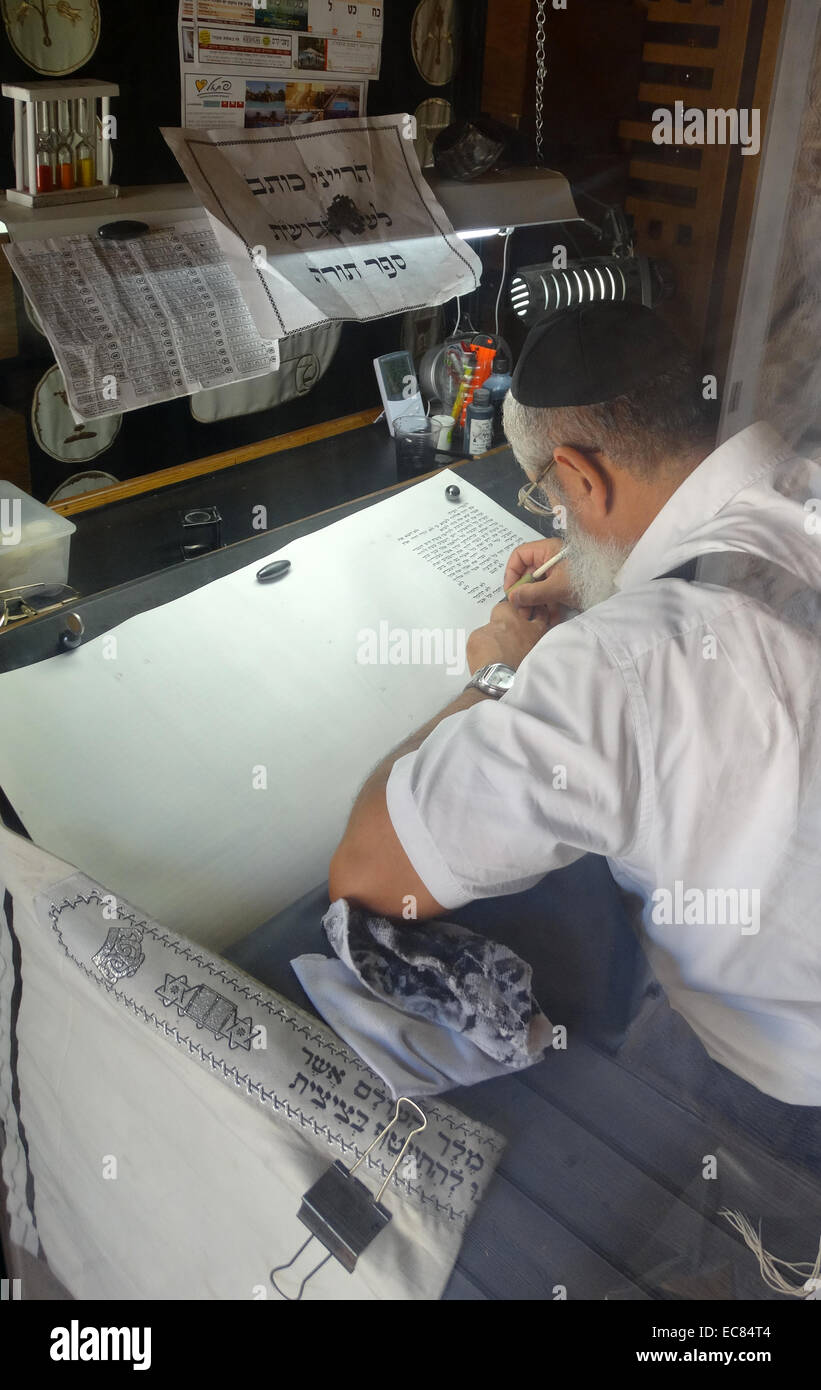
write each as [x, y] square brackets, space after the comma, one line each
[549, 595]
[508, 637]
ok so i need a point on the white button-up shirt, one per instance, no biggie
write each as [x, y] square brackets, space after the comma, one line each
[676, 729]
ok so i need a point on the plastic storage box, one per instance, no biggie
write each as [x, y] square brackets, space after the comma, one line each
[34, 540]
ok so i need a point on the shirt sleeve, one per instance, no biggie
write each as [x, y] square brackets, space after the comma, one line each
[500, 794]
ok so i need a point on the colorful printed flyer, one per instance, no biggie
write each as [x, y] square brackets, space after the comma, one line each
[248, 63]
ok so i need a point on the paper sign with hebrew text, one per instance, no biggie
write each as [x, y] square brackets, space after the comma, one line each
[323, 222]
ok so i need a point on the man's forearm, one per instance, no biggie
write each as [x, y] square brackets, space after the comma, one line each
[379, 776]
[370, 867]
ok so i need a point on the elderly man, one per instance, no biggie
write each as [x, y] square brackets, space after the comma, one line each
[624, 707]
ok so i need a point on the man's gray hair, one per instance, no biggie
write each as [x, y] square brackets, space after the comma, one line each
[653, 430]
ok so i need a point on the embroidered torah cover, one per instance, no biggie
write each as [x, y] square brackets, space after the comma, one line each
[164, 1113]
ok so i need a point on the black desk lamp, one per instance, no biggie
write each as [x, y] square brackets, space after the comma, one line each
[539, 290]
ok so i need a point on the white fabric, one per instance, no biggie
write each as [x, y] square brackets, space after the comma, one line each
[413, 1056]
[303, 359]
[115, 1063]
[673, 728]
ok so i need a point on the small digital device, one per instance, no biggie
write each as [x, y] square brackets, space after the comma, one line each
[398, 387]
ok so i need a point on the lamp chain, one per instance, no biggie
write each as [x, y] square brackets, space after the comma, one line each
[541, 68]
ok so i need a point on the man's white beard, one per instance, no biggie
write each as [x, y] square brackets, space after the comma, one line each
[592, 565]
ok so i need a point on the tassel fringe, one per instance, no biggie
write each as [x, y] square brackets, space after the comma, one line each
[767, 1263]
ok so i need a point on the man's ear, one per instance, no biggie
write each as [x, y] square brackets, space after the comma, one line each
[584, 479]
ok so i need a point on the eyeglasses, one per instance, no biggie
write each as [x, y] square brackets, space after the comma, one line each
[532, 504]
[31, 600]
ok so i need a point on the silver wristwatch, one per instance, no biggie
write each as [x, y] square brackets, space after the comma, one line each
[493, 680]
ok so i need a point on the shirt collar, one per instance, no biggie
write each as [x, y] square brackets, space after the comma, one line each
[689, 524]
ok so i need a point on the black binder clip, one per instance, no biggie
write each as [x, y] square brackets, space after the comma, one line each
[342, 1213]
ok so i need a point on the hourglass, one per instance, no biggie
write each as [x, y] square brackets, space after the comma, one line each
[85, 125]
[46, 150]
[65, 145]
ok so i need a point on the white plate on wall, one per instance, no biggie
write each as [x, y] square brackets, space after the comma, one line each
[54, 37]
[78, 483]
[55, 429]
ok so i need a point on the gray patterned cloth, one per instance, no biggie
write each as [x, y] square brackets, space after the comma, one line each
[448, 975]
[429, 1006]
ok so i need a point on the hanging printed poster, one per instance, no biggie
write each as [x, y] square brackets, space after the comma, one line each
[326, 223]
[247, 63]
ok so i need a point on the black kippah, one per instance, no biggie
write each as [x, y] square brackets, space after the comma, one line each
[584, 356]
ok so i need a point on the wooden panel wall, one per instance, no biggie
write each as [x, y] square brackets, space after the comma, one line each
[692, 203]
[725, 303]
[509, 37]
[592, 52]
